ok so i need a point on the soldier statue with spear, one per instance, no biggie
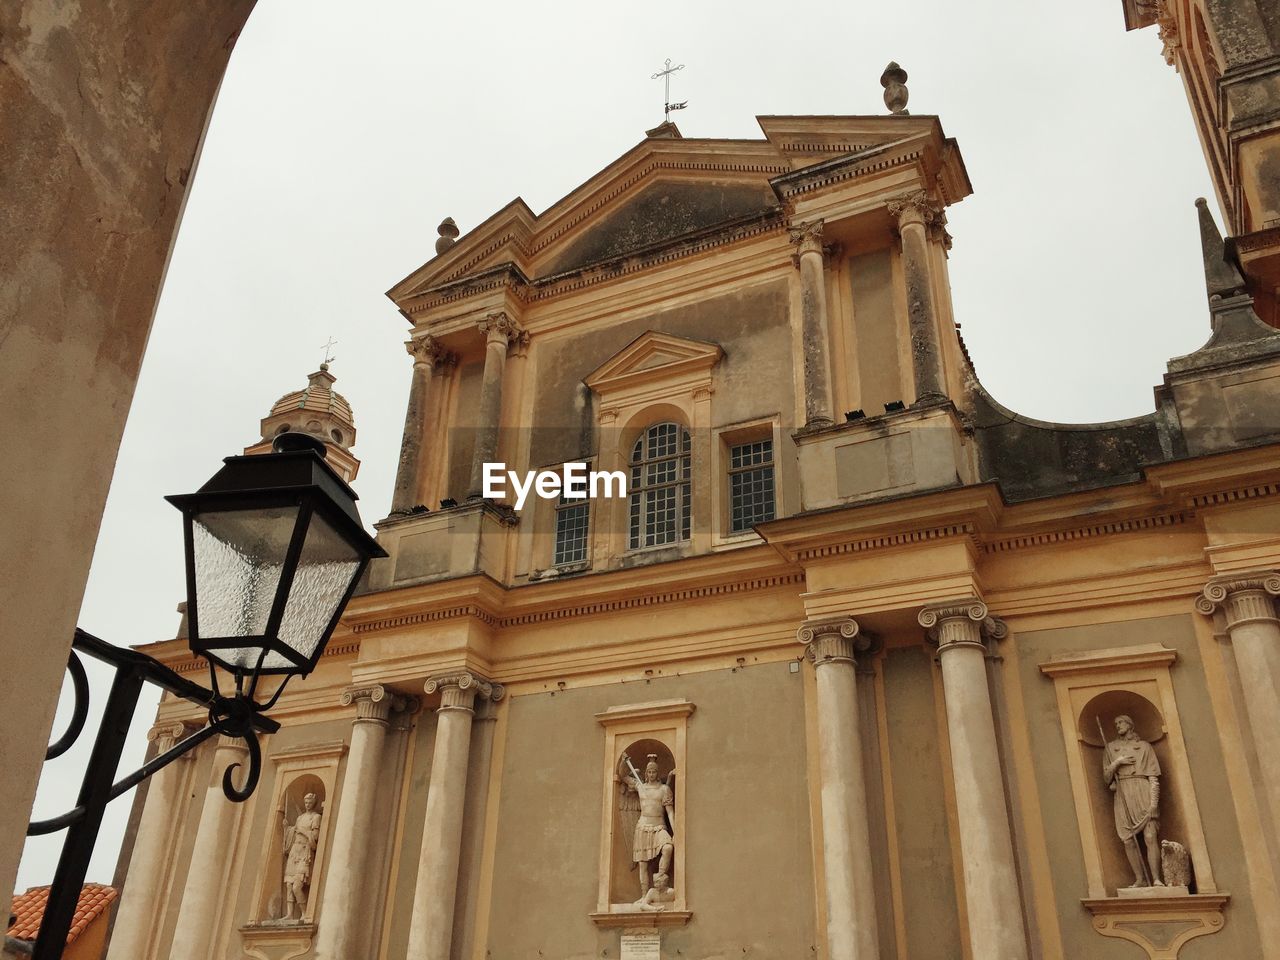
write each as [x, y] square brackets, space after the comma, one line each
[1131, 770]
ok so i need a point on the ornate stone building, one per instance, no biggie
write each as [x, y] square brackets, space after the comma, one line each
[863, 665]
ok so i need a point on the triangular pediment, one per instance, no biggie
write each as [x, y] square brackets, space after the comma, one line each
[654, 356]
[671, 190]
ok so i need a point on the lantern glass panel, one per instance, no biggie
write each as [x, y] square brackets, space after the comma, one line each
[239, 555]
[326, 567]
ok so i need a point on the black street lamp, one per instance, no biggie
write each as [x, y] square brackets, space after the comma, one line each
[274, 549]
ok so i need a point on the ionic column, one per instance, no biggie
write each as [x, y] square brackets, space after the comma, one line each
[1250, 614]
[996, 926]
[852, 933]
[342, 907]
[136, 917]
[499, 330]
[205, 889]
[426, 353]
[917, 216]
[436, 889]
[815, 332]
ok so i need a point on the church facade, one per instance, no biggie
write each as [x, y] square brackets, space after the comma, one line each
[860, 664]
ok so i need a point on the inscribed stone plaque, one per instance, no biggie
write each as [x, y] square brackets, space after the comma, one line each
[642, 946]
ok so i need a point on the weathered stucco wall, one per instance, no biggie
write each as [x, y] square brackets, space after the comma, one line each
[102, 110]
[929, 906]
[659, 212]
[750, 870]
[754, 379]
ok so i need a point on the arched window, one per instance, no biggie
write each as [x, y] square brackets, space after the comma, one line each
[659, 491]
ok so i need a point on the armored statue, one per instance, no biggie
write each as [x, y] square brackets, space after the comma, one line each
[300, 842]
[651, 803]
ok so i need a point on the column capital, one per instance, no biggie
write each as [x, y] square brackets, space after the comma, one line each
[1167, 29]
[425, 350]
[963, 622]
[919, 207]
[459, 690]
[374, 702]
[498, 327]
[834, 639]
[806, 237]
[165, 734]
[1244, 597]
[520, 343]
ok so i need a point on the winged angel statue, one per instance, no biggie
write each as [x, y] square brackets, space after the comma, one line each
[647, 808]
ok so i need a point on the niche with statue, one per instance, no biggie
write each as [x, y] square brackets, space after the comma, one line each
[292, 852]
[1150, 880]
[1123, 738]
[294, 846]
[645, 828]
[642, 843]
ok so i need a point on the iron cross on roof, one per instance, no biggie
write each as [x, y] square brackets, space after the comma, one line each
[668, 106]
[328, 351]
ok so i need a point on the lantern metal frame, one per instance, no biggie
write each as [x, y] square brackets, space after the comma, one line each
[294, 474]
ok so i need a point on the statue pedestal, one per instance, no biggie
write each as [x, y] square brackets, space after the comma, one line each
[1147, 892]
[1158, 919]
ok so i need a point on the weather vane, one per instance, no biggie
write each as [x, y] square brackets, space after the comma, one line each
[328, 350]
[668, 106]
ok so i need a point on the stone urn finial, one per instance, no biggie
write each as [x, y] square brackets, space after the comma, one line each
[894, 81]
[448, 231]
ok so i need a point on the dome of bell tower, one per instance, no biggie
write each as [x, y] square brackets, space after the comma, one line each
[318, 411]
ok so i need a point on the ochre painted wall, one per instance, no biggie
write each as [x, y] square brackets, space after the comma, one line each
[750, 884]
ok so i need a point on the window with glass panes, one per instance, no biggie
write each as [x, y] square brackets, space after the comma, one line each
[571, 530]
[660, 489]
[751, 498]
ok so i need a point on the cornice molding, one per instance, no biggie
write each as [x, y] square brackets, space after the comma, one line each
[677, 248]
[633, 261]
[1219, 497]
[830, 172]
[889, 540]
[582, 609]
[996, 544]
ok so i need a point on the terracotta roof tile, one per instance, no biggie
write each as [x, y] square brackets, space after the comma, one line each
[28, 909]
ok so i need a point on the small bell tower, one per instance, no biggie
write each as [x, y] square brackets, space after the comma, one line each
[318, 411]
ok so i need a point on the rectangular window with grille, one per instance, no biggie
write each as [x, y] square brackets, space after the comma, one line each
[571, 531]
[751, 499]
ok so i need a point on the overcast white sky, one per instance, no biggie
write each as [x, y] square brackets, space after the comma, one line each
[343, 134]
